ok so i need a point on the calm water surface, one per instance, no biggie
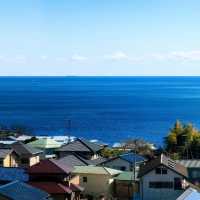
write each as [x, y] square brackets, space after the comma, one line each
[110, 109]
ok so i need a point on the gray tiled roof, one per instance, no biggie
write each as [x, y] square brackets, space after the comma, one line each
[190, 163]
[24, 149]
[163, 160]
[72, 160]
[4, 152]
[81, 145]
[21, 191]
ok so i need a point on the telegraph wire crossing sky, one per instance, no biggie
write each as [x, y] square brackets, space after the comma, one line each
[83, 37]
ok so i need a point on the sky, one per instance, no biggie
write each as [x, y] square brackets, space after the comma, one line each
[99, 37]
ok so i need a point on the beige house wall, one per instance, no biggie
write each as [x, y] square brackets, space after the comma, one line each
[34, 160]
[97, 185]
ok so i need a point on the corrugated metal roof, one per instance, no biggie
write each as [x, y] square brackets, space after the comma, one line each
[21, 191]
[190, 163]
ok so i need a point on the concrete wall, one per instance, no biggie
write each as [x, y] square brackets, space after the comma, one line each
[147, 193]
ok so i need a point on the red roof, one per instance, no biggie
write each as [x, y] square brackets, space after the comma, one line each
[52, 187]
[48, 167]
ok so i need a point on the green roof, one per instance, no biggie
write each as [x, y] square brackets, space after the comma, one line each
[126, 176]
[45, 143]
[95, 170]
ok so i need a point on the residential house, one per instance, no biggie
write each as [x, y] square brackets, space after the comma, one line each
[47, 145]
[126, 186]
[56, 179]
[193, 167]
[97, 181]
[82, 147]
[17, 190]
[26, 155]
[7, 157]
[162, 178]
[125, 162]
[190, 194]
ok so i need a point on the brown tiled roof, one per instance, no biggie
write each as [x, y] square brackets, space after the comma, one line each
[52, 187]
[49, 167]
[163, 160]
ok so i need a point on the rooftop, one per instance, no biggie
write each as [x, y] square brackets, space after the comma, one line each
[21, 191]
[165, 161]
[52, 187]
[95, 170]
[49, 166]
[5, 152]
[24, 149]
[45, 143]
[126, 176]
[190, 194]
[190, 163]
[81, 145]
[12, 174]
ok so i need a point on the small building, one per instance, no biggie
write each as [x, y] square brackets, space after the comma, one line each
[82, 147]
[97, 181]
[47, 145]
[17, 190]
[124, 162]
[162, 178]
[26, 155]
[56, 179]
[190, 194]
[193, 167]
[7, 158]
[126, 186]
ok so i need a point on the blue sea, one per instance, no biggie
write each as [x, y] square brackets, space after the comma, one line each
[110, 109]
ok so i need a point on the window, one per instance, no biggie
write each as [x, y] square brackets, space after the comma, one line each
[161, 170]
[160, 184]
[84, 179]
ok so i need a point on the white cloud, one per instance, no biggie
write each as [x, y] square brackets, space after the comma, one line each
[20, 59]
[77, 57]
[43, 57]
[186, 55]
[119, 55]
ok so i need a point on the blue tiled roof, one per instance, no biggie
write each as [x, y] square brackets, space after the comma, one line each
[132, 157]
[21, 191]
[12, 174]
